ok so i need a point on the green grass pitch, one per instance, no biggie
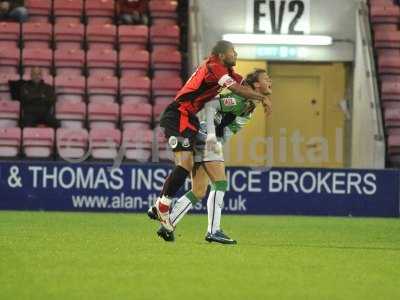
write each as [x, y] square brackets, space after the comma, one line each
[118, 256]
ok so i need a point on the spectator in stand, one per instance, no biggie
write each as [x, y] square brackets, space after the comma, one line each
[13, 10]
[132, 12]
[37, 101]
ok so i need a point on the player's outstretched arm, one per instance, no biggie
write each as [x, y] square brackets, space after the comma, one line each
[248, 93]
[245, 92]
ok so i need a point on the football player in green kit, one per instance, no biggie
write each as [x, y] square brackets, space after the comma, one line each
[226, 115]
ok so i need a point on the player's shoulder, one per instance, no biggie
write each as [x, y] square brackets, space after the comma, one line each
[238, 78]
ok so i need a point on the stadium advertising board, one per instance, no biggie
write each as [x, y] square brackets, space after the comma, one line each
[133, 187]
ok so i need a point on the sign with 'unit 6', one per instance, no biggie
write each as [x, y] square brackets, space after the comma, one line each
[278, 16]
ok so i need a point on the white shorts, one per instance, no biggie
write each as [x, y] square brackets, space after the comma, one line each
[201, 154]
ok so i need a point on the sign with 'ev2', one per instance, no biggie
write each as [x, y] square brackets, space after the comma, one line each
[278, 16]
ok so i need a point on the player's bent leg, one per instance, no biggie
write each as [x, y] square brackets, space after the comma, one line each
[191, 198]
[160, 211]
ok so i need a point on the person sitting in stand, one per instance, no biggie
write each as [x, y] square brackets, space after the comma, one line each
[132, 12]
[13, 10]
[37, 102]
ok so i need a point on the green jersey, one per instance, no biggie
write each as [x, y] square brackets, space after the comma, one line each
[227, 107]
[236, 105]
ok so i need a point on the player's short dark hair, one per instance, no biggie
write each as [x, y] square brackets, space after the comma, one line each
[221, 47]
[253, 77]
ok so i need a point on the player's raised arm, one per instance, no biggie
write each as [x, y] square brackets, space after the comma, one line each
[248, 93]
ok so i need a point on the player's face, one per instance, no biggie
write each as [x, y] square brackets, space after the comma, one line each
[230, 57]
[264, 84]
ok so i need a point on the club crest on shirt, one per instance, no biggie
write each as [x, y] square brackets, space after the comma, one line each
[229, 101]
[173, 142]
[185, 143]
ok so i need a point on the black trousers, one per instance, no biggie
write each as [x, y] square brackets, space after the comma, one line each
[32, 120]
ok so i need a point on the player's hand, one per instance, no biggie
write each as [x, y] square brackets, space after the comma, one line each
[250, 106]
[211, 142]
[267, 104]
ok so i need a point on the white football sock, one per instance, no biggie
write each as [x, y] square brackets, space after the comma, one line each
[215, 202]
[181, 207]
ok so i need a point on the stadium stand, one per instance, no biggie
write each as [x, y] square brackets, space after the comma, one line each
[68, 11]
[385, 19]
[105, 75]
[69, 36]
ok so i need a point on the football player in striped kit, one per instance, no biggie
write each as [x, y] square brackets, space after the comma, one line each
[225, 116]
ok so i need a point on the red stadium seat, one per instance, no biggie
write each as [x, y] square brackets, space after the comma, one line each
[99, 11]
[101, 62]
[133, 37]
[104, 142]
[36, 35]
[384, 27]
[9, 113]
[165, 88]
[389, 64]
[103, 115]
[9, 37]
[387, 39]
[163, 12]
[71, 114]
[10, 141]
[70, 88]
[158, 109]
[137, 144]
[39, 10]
[38, 142]
[42, 58]
[102, 88]
[72, 143]
[136, 115]
[134, 62]
[68, 35]
[392, 118]
[5, 92]
[394, 144]
[101, 36]
[385, 13]
[165, 36]
[9, 60]
[390, 93]
[134, 89]
[69, 62]
[68, 11]
[166, 62]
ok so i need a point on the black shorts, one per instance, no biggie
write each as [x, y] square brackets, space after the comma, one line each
[180, 127]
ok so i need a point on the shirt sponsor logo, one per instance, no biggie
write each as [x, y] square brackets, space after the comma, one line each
[229, 101]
